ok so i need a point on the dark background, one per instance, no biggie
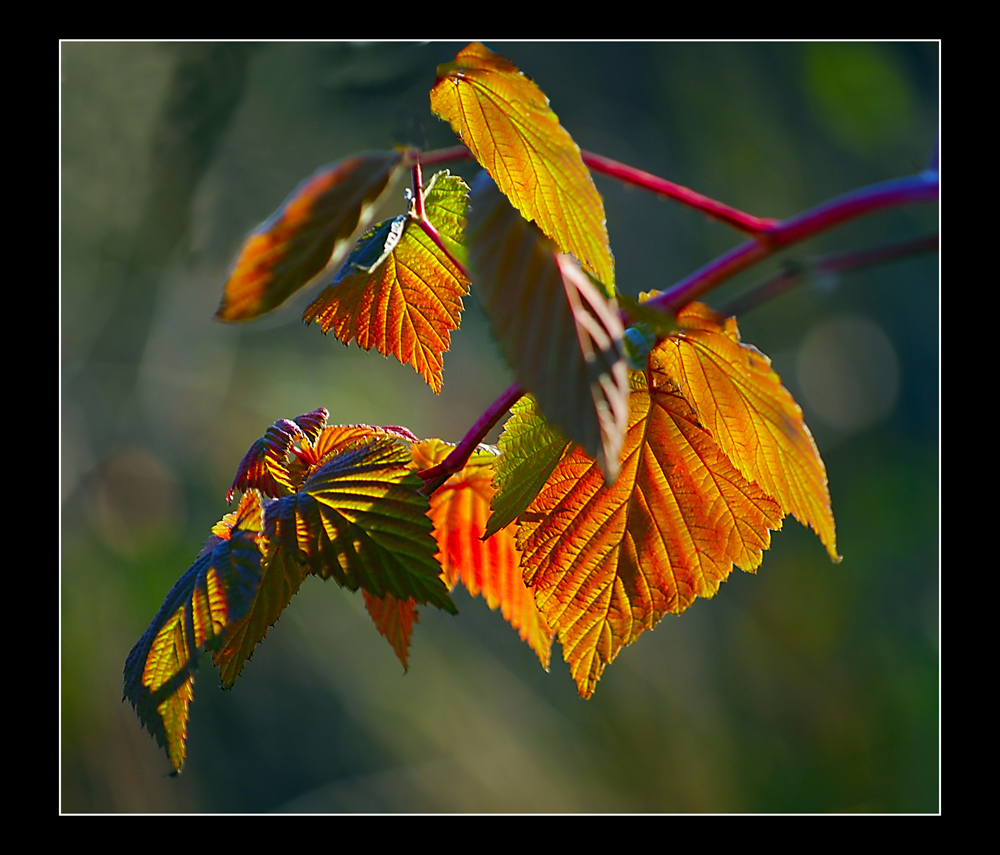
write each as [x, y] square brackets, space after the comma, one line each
[806, 687]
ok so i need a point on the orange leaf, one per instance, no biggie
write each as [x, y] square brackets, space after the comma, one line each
[505, 121]
[609, 561]
[398, 292]
[310, 230]
[739, 398]
[394, 619]
[459, 509]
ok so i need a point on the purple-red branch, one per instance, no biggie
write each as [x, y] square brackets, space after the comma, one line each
[912, 190]
[463, 451]
[646, 180]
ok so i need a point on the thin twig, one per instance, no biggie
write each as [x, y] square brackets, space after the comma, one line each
[647, 181]
[454, 462]
[911, 190]
[793, 273]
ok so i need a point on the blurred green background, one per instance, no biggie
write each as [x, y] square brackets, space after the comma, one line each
[805, 687]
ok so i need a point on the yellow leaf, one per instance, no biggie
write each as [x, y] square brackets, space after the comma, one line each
[739, 398]
[505, 121]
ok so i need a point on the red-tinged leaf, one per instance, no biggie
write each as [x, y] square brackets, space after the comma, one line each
[739, 398]
[312, 424]
[265, 465]
[608, 561]
[529, 451]
[492, 568]
[505, 121]
[394, 619]
[397, 291]
[213, 594]
[562, 337]
[310, 230]
[360, 519]
[334, 439]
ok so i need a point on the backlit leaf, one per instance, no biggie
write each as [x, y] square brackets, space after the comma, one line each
[280, 579]
[310, 230]
[610, 560]
[394, 619]
[562, 337]
[213, 594]
[265, 465]
[492, 568]
[505, 121]
[529, 451]
[397, 291]
[739, 398]
[360, 519]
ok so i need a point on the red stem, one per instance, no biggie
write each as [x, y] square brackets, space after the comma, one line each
[719, 211]
[418, 191]
[463, 451]
[842, 262]
[911, 190]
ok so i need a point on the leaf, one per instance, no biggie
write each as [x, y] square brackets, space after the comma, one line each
[505, 121]
[360, 519]
[561, 336]
[397, 291]
[213, 594]
[265, 465]
[529, 451]
[739, 398]
[280, 579]
[608, 561]
[491, 568]
[394, 619]
[310, 230]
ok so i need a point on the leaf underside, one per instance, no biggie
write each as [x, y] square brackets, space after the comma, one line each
[360, 519]
[310, 230]
[561, 336]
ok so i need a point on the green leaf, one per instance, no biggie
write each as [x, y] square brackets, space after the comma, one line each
[280, 579]
[559, 333]
[215, 592]
[397, 291]
[310, 230]
[529, 451]
[360, 519]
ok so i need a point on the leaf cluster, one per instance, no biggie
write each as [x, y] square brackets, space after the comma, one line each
[649, 452]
